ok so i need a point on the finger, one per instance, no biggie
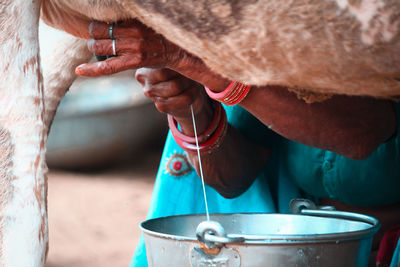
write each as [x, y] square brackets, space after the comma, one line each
[121, 63]
[107, 67]
[131, 28]
[178, 105]
[154, 76]
[167, 89]
[104, 47]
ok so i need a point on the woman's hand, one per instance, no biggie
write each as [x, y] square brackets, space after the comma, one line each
[230, 168]
[137, 46]
[173, 93]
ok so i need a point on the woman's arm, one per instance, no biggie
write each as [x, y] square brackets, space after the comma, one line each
[351, 126]
[232, 167]
[348, 125]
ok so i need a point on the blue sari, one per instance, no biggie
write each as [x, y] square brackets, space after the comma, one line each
[178, 189]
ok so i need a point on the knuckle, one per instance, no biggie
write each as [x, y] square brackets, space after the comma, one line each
[107, 68]
[94, 27]
[136, 60]
[103, 46]
[175, 85]
[90, 44]
[91, 28]
[112, 69]
[161, 106]
[147, 94]
[97, 45]
[187, 99]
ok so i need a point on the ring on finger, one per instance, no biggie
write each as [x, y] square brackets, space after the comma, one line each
[110, 31]
[114, 50]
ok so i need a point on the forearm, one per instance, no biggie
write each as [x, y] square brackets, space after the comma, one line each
[351, 126]
[232, 167]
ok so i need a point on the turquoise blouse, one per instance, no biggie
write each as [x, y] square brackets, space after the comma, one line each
[318, 173]
[370, 182]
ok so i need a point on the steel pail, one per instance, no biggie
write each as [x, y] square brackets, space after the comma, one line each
[313, 238]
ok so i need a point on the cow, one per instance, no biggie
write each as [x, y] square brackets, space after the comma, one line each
[310, 46]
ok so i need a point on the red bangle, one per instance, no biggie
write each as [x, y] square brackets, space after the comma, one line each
[232, 95]
[209, 145]
[173, 125]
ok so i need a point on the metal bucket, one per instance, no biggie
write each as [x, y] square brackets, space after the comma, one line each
[312, 238]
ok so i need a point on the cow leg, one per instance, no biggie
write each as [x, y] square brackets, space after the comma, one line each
[23, 185]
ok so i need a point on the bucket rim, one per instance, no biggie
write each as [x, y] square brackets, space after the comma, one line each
[279, 238]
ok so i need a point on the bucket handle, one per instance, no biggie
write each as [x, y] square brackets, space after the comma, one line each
[213, 235]
[307, 207]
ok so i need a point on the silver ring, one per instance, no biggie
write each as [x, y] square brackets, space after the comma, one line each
[110, 31]
[113, 47]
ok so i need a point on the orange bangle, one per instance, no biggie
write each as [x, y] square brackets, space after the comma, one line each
[232, 95]
[209, 145]
[173, 126]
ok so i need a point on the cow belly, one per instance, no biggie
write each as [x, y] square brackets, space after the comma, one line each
[334, 46]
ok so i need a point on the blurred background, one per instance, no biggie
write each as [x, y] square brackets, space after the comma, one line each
[103, 152]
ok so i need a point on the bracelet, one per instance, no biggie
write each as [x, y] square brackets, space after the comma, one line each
[232, 95]
[213, 142]
[173, 125]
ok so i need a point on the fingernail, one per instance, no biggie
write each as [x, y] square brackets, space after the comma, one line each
[91, 28]
[90, 44]
[139, 78]
[80, 70]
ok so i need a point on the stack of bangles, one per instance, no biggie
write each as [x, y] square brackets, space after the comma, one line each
[208, 140]
[232, 95]
[212, 137]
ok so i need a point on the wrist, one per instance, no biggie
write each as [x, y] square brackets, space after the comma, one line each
[195, 69]
[203, 114]
[208, 140]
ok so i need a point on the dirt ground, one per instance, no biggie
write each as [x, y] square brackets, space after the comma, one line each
[94, 216]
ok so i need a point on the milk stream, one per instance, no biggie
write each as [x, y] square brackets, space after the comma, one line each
[200, 167]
